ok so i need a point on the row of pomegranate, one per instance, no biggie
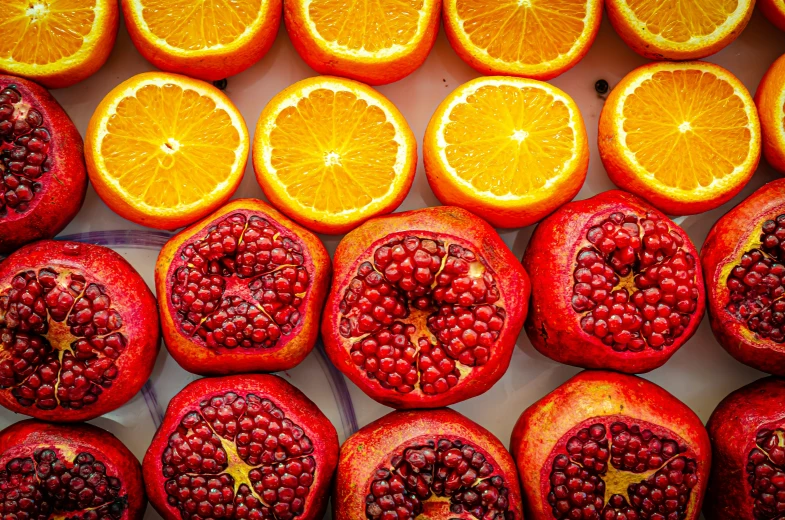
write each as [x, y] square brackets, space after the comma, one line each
[603, 446]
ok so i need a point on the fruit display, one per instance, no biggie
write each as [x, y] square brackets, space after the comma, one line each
[774, 10]
[620, 285]
[511, 150]
[68, 471]
[331, 153]
[743, 259]
[184, 141]
[606, 445]
[537, 39]
[241, 291]
[748, 469]
[684, 136]
[425, 307]
[44, 180]
[425, 464]
[236, 39]
[770, 98]
[672, 30]
[57, 43]
[376, 43]
[78, 331]
[250, 446]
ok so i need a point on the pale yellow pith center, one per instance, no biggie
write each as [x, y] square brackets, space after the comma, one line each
[37, 11]
[520, 135]
[237, 468]
[332, 159]
[525, 3]
[170, 146]
[59, 335]
[685, 127]
[618, 482]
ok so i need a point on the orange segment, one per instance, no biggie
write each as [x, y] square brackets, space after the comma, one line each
[164, 150]
[685, 136]
[511, 150]
[770, 100]
[331, 153]
[533, 38]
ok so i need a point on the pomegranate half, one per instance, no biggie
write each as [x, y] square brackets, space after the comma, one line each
[747, 432]
[744, 261]
[244, 446]
[73, 471]
[425, 307]
[610, 446]
[620, 286]
[241, 291]
[78, 331]
[425, 464]
[43, 180]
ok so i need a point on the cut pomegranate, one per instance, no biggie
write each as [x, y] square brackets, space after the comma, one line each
[433, 464]
[237, 447]
[75, 471]
[744, 261]
[241, 291]
[425, 307]
[43, 180]
[747, 432]
[621, 285]
[610, 446]
[78, 331]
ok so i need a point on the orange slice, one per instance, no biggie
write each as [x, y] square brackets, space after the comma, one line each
[511, 150]
[684, 136]
[770, 99]
[374, 42]
[164, 150]
[774, 10]
[332, 153]
[532, 38]
[678, 29]
[56, 42]
[207, 39]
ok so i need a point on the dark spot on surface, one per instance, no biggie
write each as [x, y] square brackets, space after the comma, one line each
[221, 84]
[601, 86]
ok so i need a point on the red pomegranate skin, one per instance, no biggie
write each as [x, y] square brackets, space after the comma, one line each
[294, 412]
[596, 397]
[554, 258]
[740, 232]
[739, 429]
[401, 434]
[456, 368]
[201, 350]
[43, 177]
[112, 488]
[78, 331]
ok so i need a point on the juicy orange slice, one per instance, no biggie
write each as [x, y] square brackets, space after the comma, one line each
[208, 39]
[331, 153]
[774, 10]
[511, 150]
[374, 42]
[164, 150]
[533, 38]
[770, 99]
[685, 136]
[56, 42]
[678, 29]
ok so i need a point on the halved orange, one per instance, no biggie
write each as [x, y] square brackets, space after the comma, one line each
[207, 39]
[56, 42]
[511, 150]
[684, 136]
[165, 150]
[678, 29]
[331, 153]
[375, 42]
[774, 10]
[770, 99]
[537, 39]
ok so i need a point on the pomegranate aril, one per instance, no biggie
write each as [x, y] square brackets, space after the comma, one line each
[766, 474]
[389, 356]
[467, 334]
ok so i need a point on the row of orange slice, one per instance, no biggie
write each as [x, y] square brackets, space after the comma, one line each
[164, 150]
[60, 42]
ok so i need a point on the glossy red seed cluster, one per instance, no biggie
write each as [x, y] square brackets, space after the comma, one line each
[238, 457]
[242, 285]
[24, 145]
[450, 284]
[43, 486]
[450, 469]
[578, 477]
[757, 284]
[61, 339]
[766, 474]
[635, 285]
